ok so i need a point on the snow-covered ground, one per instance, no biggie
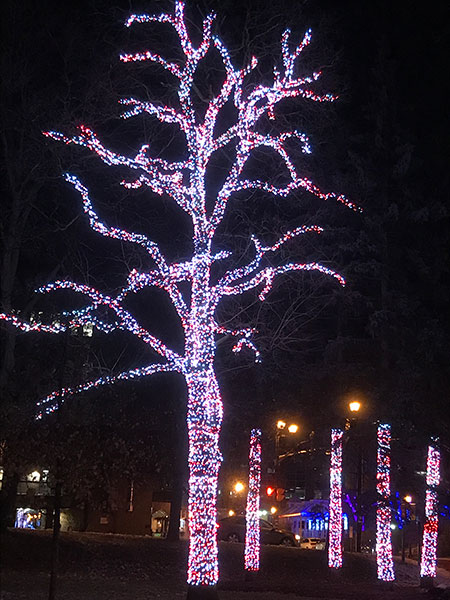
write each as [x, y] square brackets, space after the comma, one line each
[409, 574]
[113, 567]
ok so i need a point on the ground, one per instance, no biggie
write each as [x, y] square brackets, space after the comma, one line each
[119, 567]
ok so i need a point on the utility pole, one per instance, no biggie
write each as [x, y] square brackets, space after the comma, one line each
[359, 492]
[58, 484]
[353, 423]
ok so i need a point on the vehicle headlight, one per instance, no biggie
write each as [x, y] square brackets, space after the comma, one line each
[297, 537]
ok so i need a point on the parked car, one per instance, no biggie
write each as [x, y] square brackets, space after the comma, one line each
[232, 529]
[312, 543]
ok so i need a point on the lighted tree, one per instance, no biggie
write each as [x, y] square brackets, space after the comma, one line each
[184, 182]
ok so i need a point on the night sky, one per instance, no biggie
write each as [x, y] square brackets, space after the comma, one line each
[384, 144]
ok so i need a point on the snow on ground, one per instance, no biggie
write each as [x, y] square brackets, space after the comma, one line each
[114, 567]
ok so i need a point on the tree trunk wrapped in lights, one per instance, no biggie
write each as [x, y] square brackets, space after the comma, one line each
[385, 564]
[430, 527]
[252, 532]
[335, 519]
[184, 182]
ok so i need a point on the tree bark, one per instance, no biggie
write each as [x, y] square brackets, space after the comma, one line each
[173, 531]
[8, 500]
[55, 541]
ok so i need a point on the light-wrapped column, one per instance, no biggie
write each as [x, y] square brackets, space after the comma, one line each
[252, 537]
[430, 528]
[335, 520]
[385, 564]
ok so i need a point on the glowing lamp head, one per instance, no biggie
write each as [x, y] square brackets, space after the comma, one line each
[239, 487]
[231, 513]
[273, 510]
[408, 499]
[293, 428]
[354, 406]
[281, 425]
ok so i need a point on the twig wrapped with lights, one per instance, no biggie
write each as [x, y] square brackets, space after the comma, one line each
[252, 533]
[184, 181]
[430, 527]
[335, 520]
[385, 563]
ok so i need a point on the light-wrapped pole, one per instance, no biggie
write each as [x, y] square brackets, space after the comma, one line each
[252, 535]
[335, 520]
[430, 528]
[385, 564]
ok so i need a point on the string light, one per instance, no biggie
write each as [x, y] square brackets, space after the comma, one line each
[385, 564]
[184, 182]
[252, 533]
[430, 527]
[335, 522]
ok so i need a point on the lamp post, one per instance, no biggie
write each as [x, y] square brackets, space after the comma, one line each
[280, 430]
[354, 407]
[407, 500]
[237, 503]
[280, 426]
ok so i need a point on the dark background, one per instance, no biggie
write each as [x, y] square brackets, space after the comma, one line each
[384, 338]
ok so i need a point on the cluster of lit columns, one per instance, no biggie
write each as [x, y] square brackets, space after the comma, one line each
[385, 564]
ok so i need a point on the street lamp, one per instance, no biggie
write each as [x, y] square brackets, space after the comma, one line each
[408, 499]
[281, 425]
[354, 406]
[293, 428]
[239, 487]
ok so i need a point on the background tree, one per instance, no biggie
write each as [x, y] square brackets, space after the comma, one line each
[33, 50]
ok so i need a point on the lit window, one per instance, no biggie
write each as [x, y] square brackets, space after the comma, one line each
[345, 521]
[88, 329]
